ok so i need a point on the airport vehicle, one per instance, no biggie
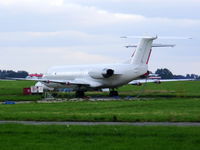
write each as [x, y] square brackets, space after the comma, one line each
[83, 78]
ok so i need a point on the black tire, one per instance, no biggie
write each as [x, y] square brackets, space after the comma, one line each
[113, 93]
[80, 94]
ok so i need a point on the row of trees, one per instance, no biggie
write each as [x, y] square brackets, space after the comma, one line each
[12, 74]
[167, 74]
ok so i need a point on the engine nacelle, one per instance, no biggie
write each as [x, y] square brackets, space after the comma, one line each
[105, 73]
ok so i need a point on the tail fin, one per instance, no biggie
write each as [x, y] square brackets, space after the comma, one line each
[143, 51]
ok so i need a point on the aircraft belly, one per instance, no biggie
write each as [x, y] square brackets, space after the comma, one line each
[113, 82]
[58, 85]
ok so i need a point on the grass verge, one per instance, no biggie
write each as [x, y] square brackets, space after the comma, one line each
[175, 110]
[13, 90]
[15, 136]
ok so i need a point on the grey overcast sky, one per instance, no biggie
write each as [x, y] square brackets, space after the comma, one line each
[38, 34]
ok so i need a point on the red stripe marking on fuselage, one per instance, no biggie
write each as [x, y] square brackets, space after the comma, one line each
[133, 53]
[149, 56]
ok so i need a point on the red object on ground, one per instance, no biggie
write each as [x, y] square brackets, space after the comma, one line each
[35, 75]
[27, 91]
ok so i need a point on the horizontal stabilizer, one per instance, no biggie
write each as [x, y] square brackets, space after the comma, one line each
[158, 37]
[154, 45]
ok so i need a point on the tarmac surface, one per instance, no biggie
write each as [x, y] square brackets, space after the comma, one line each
[75, 99]
[103, 123]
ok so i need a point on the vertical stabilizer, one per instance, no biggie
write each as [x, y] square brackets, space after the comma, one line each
[143, 51]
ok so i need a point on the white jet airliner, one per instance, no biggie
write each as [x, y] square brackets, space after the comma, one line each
[83, 78]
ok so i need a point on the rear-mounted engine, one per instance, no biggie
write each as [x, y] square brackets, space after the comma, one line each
[105, 73]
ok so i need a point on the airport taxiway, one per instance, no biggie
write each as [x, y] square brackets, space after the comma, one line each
[57, 100]
[102, 123]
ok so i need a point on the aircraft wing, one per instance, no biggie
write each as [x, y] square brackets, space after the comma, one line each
[67, 82]
[141, 81]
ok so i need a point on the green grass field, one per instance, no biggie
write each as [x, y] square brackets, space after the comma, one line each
[173, 101]
[165, 89]
[13, 90]
[176, 109]
[51, 137]
[178, 104]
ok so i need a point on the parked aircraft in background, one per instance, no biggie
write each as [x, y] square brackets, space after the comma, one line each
[155, 78]
[34, 76]
[83, 78]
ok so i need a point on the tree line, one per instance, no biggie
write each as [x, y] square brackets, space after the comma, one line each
[12, 74]
[167, 74]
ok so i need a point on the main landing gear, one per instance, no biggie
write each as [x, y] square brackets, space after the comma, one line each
[80, 94]
[113, 93]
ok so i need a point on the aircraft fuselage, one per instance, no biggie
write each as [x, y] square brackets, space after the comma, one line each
[123, 74]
